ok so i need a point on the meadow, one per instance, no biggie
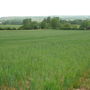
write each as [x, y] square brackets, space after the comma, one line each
[43, 59]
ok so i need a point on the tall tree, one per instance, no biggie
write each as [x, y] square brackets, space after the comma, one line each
[55, 23]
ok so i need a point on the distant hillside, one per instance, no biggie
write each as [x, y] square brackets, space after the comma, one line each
[18, 19]
[74, 17]
[21, 18]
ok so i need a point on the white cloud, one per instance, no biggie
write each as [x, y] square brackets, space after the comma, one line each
[44, 7]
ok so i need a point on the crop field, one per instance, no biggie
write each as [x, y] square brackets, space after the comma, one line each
[43, 59]
[10, 26]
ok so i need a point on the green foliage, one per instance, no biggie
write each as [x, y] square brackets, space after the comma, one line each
[43, 59]
[49, 23]
[66, 26]
[85, 25]
[46, 23]
[56, 23]
[29, 24]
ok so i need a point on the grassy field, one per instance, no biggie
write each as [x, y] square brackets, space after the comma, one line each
[43, 59]
[10, 26]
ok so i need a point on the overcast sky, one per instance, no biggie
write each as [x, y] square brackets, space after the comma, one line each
[44, 7]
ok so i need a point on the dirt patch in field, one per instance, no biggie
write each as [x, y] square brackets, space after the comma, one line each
[6, 88]
[84, 81]
[21, 86]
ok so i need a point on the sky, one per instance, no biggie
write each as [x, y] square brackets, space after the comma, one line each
[44, 7]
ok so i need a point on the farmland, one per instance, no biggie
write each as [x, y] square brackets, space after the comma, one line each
[10, 26]
[43, 59]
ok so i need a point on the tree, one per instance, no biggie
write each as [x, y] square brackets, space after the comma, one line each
[34, 25]
[26, 24]
[45, 24]
[55, 23]
[29, 24]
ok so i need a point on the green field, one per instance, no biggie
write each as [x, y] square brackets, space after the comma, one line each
[43, 59]
[10, 26]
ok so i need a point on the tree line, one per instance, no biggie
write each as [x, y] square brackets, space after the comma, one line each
[51, 23]
[56, 23]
